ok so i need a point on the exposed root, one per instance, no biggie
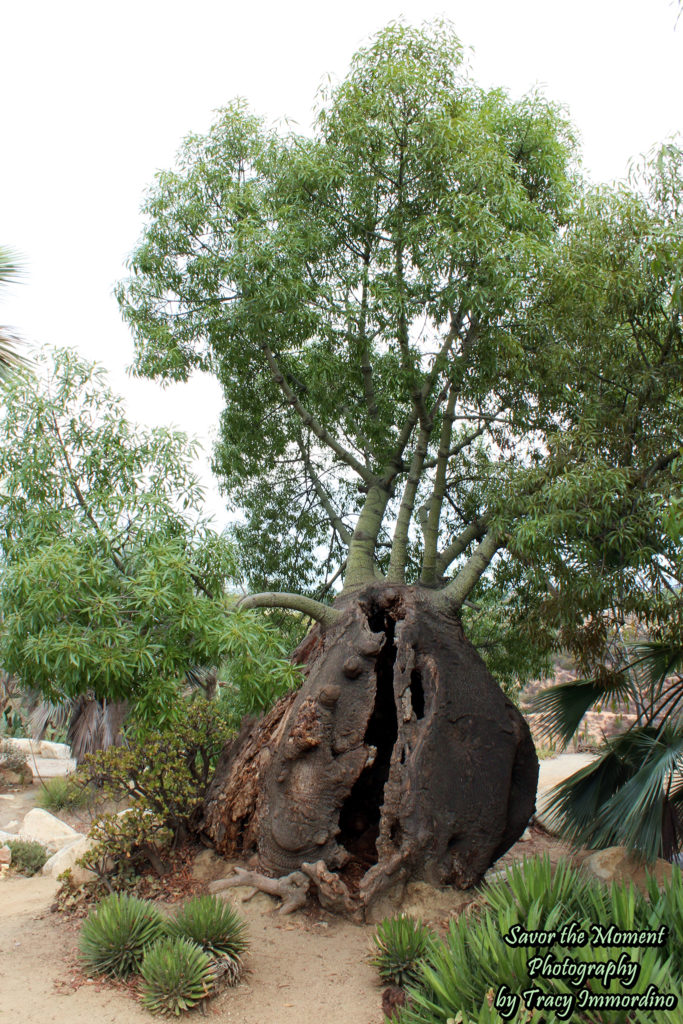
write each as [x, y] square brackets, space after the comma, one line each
[292, 889]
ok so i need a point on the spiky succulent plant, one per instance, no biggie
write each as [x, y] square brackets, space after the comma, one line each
[117, 933]
[177, 974]
[213, 925]
[402, 945]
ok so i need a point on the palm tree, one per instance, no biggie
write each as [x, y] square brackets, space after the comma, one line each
[10, 358]
[632, 794]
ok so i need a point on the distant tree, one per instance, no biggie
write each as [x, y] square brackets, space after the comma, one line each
[112, 584]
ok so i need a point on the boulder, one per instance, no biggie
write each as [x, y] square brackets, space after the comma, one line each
[617, 864]
[26, 746]
[65, 860]
[60, 751]
[5, 855]
[43, 827]
[24, 777]
[6, 837]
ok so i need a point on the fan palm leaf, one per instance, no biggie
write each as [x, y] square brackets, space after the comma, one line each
[11, 359]
[632, 795]
[564, 706]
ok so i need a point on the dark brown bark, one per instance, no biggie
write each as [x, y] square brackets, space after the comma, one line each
[399, 757]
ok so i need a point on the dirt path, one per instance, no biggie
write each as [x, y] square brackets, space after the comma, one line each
[303, 969]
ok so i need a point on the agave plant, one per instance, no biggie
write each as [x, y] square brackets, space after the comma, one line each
[177, 974]
[536, 883]
[117, 934]
[403, 945]
[213, 925]
[632, 795]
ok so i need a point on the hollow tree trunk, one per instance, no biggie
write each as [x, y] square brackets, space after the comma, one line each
[398, 758]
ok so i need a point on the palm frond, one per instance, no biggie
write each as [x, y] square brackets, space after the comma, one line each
[564, 706]
[631, 796]
[575, 803]
[660, 658]
[11, 357]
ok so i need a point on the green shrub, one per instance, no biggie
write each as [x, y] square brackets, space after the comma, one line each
[467, 968]
[116, 935]
[163, 777]
[12, 759]
[667, 908]
[213, 925]
[61, 794]
[403, 945]
[27, 857]
[177, 975]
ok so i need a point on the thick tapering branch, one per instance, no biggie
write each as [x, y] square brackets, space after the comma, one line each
[431, 533]
[323, 496]
[399, 546]
[420, 395]
[322, 613]
[309, 420]
[474, 531]
[360, 567]
[454, 595]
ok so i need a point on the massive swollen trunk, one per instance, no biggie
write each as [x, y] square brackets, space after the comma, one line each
[398, 758]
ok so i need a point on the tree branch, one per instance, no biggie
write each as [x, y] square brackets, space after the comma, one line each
[332, 514]
[475, 531]
[310, 421]
[399, 546]
[431, 533]
[454, 595]
[322, 613]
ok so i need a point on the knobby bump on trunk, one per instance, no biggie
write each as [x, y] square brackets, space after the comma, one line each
[399, 758]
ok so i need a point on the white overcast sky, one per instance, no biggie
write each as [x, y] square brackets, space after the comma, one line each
[97, 97]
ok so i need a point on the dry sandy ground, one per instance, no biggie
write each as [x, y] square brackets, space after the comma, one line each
[303, 969]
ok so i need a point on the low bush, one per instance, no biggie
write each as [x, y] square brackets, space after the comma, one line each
[177, 974]
[163, 777]
[61, 794]
[27, 857]
[466, 970]
[12, 759]
[117, 933]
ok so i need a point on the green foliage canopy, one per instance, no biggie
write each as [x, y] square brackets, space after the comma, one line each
[111, 581]
[443, 357]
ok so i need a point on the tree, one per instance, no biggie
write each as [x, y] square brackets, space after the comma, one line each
[397, 310]
[112, 584]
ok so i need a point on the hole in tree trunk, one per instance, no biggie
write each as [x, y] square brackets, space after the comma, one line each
[360, 815]
[417, 694]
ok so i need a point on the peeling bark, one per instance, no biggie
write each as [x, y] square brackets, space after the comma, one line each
[399, 758]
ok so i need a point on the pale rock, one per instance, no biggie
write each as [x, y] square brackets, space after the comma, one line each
[65, 860]
[209, 866]
[6, 837]
[45, 828]
[617, 864]
[26, 746]
[5, 855]
[60, 751]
